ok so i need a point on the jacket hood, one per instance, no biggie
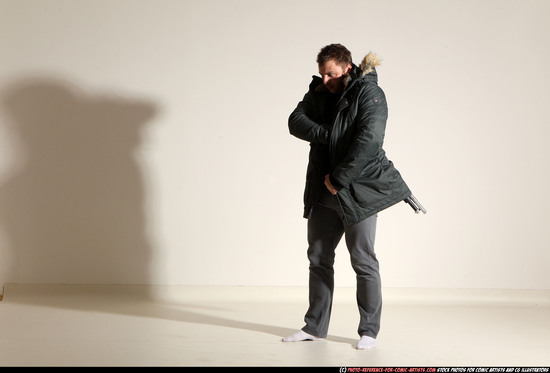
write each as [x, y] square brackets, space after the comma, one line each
[367, 68]
[369, 63]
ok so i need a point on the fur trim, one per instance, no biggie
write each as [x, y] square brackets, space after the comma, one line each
[368, 64]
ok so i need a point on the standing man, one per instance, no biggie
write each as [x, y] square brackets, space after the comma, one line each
[348, 181]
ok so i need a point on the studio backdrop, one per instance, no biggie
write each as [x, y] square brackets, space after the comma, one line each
[146, 142]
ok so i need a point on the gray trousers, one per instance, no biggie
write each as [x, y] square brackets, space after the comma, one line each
[326, 227]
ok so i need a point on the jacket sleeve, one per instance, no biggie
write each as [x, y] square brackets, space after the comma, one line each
[367, 143]
[302, 125]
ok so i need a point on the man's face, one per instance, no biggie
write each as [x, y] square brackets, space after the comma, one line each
[333, 75]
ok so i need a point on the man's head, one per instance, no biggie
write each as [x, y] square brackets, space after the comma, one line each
[334, 62]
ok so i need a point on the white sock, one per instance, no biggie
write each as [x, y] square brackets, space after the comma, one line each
[366, 343]
[301, 336]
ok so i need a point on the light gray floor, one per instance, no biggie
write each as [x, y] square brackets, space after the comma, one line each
[79, 325]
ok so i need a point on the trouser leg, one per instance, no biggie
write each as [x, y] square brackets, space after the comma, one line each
[360, 242]
[325, 229]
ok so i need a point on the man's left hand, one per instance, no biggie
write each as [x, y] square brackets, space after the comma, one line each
[329, 185]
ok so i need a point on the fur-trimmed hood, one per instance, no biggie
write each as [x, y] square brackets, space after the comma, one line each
[366, 67]
[369, 63]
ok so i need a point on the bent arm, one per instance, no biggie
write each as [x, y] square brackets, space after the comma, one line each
[301, 124]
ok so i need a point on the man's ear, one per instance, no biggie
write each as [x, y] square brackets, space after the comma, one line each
[348, 69]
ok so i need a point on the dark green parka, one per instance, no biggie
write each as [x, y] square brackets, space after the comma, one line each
[346, 137]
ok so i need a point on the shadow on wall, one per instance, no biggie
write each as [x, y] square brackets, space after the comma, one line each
[74, 211]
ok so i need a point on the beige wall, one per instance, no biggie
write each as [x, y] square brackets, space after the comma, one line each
[147, 141]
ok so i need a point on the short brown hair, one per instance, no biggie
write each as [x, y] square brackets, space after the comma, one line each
[336, 52]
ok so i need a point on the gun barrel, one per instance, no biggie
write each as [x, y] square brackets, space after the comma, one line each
[416, 206]
[410, 202]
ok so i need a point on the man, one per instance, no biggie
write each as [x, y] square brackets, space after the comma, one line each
[349, 180]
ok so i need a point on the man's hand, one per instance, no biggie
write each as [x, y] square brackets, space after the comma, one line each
[329, 186]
